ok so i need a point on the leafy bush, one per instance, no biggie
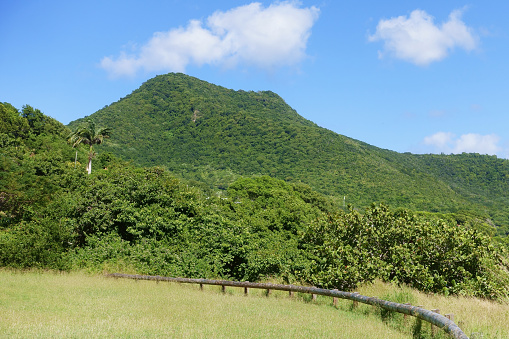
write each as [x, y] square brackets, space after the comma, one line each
[38, 244]
[433, 256]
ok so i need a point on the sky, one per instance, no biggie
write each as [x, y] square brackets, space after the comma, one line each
[409, 76]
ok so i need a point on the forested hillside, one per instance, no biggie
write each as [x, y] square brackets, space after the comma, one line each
[122, 217]
[211, 135]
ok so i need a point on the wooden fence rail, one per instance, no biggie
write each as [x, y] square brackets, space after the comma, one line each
[433, 318]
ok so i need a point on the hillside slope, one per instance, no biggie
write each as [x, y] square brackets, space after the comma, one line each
[53, 214]
[209, 133]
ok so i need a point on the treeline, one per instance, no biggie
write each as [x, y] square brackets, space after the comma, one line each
[145, 220]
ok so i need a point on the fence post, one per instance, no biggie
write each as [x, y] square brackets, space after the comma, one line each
[290, 293]
[268, 292]
[313, 296]
[433, 327]
[223, 288]
[405, 316]
[355, 302]
[245, 290]
[374, 307]
[201, 287]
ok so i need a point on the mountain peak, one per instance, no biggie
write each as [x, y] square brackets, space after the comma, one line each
[211, 134]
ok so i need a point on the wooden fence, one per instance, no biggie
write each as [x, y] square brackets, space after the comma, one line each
[433, 317]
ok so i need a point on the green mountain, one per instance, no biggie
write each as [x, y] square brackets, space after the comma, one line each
[125, 218]
[212, 134]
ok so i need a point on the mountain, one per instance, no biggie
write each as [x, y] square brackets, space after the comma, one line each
[211, 134]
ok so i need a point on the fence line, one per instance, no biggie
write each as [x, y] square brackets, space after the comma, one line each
[433, 318]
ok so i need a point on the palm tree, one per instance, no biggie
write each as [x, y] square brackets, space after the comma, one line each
[89, 135]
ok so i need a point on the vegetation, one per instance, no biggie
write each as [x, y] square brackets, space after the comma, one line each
[51, 304]
[430, 255]
[212, 135]
[145, 220]
[204, 182]
[33, 163]
[89, 135]
[477, 317]
[46, 305]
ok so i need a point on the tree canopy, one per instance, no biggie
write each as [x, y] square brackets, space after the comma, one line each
[89, 135]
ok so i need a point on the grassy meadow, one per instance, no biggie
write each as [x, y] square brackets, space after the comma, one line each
[44, 305]
[478, 318]
[38, 304]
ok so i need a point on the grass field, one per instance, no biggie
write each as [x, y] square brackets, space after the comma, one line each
[44, 304]
[478, 318]
[49, 305]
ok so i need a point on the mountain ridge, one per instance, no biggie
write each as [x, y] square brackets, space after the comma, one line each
[210, 134]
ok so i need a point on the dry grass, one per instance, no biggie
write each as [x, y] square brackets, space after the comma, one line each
[476, 317]
[44, 305]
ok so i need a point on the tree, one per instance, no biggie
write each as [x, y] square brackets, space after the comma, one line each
[89, 135]
[42, 124]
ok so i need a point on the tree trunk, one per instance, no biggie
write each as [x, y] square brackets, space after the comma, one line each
[89, 166]
[90, 156]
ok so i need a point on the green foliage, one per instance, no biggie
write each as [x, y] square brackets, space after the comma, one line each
[34, 162]
[38, 243]
[146, 220]
[213, 135]
[430, 255]
[90, 135]
[35, 168]
[395, 319]
[13, 125]
[133, 203]
[164, 226]
[205, 236]
[42, 124]
[147, 256]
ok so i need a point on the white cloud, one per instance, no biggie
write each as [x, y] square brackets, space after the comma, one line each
[418, 40]
[447, 142]
[476, 143]
[440, 140]
[251, 34]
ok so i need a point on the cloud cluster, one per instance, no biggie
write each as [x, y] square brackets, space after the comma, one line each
[418, 40]
[447, 142]
[251, 34]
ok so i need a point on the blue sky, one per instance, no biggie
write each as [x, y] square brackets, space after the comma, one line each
[410, 76]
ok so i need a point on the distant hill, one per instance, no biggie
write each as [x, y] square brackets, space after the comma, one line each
[211, 134]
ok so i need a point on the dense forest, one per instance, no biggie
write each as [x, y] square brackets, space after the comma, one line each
[147, 220]
[211, 135]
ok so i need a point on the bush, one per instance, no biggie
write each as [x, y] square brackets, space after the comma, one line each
[433, 256]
